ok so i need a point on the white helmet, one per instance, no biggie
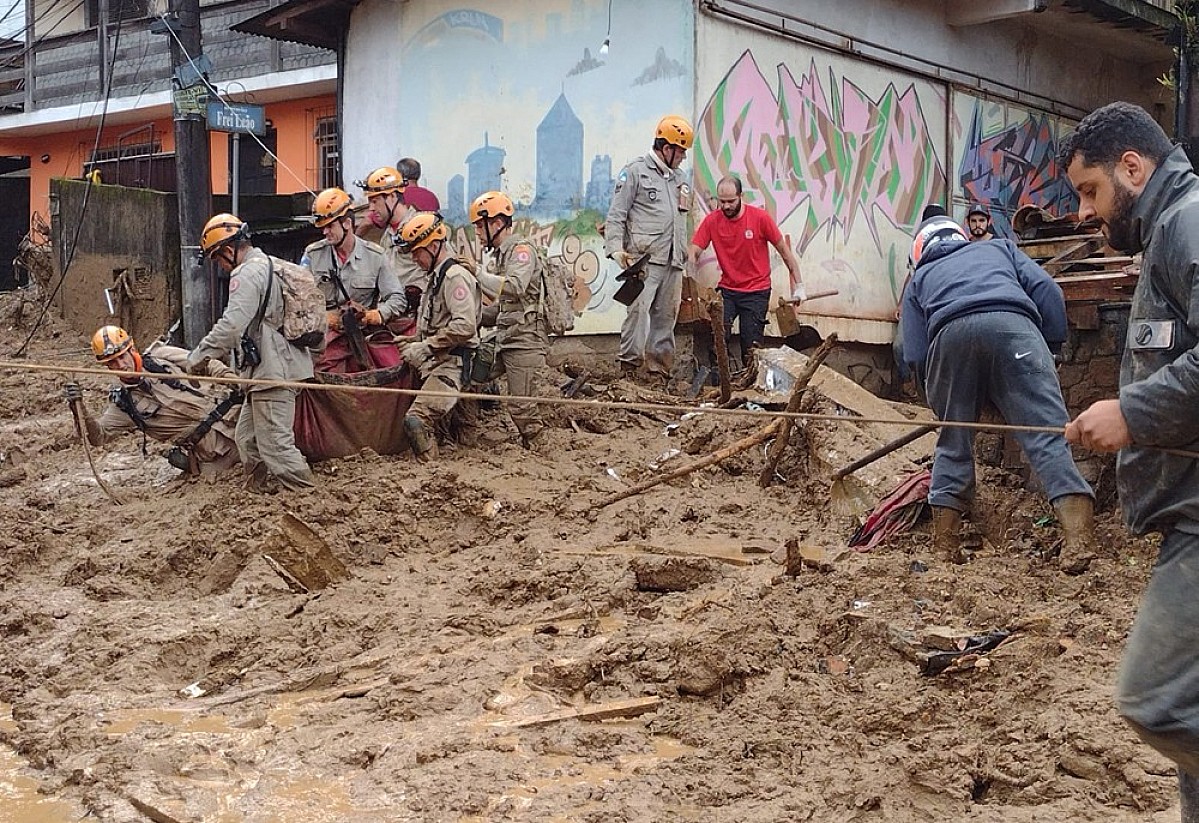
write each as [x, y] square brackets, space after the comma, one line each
[932, 231]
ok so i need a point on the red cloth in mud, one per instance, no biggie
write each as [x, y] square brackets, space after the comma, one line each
[340, 423]
[895, 513]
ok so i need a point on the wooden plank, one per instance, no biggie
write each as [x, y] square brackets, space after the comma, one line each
[1120, 260]
[601, 711]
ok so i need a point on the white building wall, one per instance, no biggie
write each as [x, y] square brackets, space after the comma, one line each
[464, 89]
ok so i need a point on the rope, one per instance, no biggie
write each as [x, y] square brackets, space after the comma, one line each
[620, 405]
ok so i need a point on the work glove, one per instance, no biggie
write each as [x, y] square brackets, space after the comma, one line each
[624, 259]
[799, 293]
[72, 391]
[199, 367]
[372, 317]
[417, 354]
[333, 318]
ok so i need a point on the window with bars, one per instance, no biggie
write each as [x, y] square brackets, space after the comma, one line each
[117, 10]
[328, 152]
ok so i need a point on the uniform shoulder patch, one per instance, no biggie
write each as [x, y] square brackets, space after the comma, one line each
[459, 293]
[624, 175]
[522, 252]
[234, 282]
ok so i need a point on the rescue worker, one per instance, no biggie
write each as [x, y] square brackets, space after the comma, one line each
[197, 419]
[354, 274]
[513, 281]
[648, 214]
[249, 330]
[384, 190]
[447, 329]
[978, 223]
[1145, 192]
[979, 321]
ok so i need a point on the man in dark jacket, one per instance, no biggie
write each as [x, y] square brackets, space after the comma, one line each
[979, 320]
[1129, 176]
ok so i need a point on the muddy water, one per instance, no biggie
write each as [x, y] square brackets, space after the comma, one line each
[19, 798]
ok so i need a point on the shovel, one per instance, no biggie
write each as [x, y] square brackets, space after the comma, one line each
[847, 499]
[633, 285]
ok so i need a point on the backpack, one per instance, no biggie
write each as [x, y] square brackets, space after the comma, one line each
[557, 292]
[304, 322]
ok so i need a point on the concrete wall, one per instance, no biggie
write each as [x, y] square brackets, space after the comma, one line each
[122, 229]
[516, 96]
[1058, 56]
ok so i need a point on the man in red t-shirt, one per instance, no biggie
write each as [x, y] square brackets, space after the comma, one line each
[740, 234]
[416, 195]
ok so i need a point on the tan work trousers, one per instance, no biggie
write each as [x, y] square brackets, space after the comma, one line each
[520, 357]
[445, 377]
[266, 437]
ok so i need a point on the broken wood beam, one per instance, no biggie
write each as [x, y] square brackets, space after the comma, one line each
[302, 557]
[632, 707]
[801, 384]
[715, 308]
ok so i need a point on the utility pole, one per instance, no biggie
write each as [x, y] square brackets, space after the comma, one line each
[192, 167]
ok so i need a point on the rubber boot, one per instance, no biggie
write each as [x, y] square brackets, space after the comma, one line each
[419, 438]
[1076, 513]
[947, 541]
[1188, 794]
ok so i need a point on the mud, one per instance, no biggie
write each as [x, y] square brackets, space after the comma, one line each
[389, 695]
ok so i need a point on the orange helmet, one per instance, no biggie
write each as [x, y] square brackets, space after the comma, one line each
[329, 205]
[676, 131]
[931, 232]
[491, 204]
[221, 229]
[110, 342]
[420, 230]
[383, 180]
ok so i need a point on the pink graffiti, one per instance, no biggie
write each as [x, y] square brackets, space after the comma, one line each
[841, 160]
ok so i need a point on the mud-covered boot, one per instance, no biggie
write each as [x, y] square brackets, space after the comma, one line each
[1076, 513]
[947, 541]
[1188, 795]
[423, 444]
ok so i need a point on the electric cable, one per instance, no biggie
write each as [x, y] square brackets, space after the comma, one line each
[217, 93]
[87, 191]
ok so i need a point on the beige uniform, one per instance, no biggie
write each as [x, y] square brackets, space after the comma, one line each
[265, 436]
[449, 323]
[515, 276]
[168, 411]
[405, 267]
[649, 214]
[366, 277]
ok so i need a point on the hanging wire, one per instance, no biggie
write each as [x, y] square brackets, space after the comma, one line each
[217, 94]
[87, 193]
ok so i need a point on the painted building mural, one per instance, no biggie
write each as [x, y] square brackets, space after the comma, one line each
[516, 96]
[843, 155]
[1005, 156]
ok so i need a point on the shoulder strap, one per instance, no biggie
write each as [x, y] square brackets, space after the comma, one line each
[435, 287]
[266, 295]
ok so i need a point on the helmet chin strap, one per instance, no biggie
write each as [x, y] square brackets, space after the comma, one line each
[433, 255]
[488, 233]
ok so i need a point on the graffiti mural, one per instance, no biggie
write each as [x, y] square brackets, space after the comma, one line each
[843, 154]
[840, 156]
[1007, 158]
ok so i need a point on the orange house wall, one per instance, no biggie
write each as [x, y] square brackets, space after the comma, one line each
[67, 150]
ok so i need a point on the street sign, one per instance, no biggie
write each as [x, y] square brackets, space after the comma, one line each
[242, 118]
[190, 100]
